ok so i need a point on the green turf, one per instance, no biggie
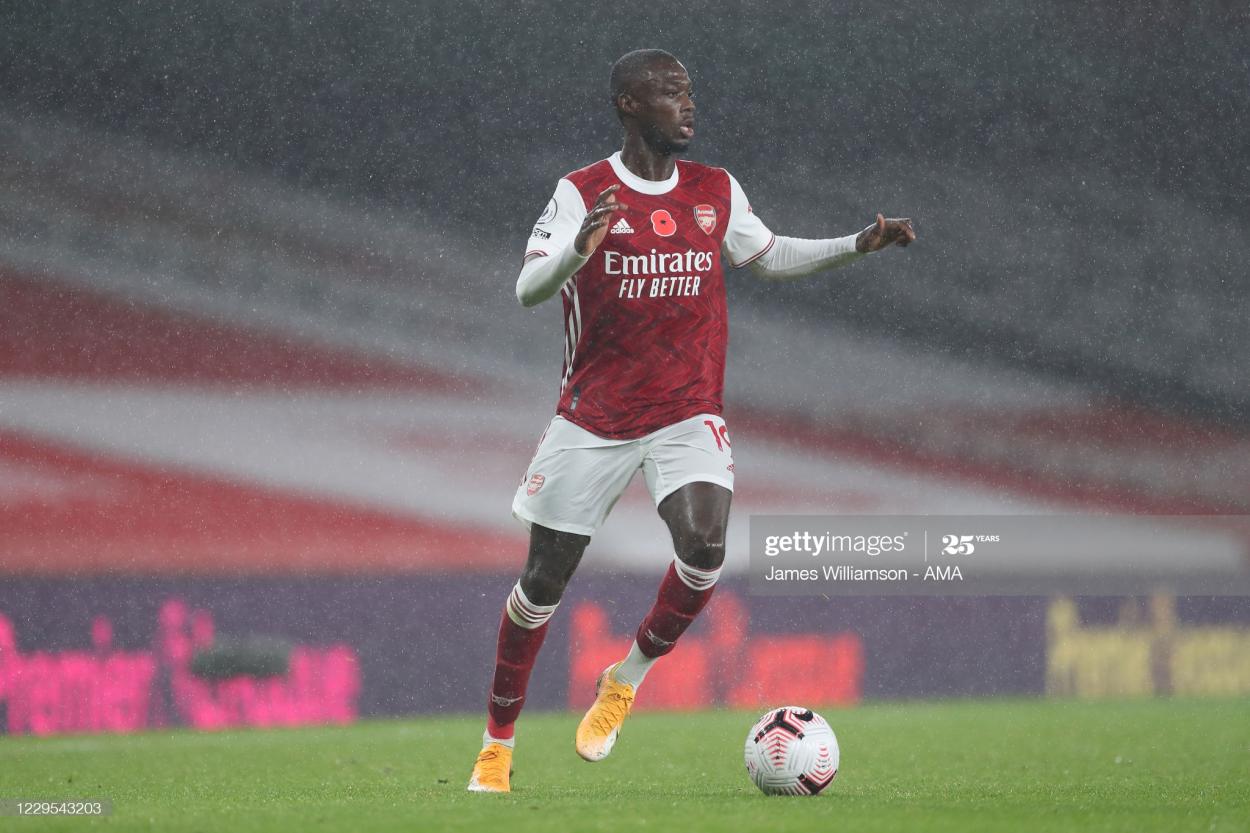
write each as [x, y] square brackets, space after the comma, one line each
[959, 766]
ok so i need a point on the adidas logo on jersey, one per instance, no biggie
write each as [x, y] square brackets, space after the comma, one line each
[621, 227]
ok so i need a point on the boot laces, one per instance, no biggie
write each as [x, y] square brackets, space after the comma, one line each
[491, 765]
[613, 709]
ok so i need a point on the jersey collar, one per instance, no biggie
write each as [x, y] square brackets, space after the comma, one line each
[642, 186]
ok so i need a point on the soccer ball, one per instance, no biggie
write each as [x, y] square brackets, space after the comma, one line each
[792, 751]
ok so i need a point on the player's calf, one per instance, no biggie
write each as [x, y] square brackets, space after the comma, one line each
[684, 592]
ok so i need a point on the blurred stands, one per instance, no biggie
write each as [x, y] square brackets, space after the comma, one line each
[205, 371]
[262, 370]
[1079, 179]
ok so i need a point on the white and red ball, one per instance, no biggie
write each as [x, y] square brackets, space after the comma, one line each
[792, 751]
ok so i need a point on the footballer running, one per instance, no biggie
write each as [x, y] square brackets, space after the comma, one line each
[636, 245]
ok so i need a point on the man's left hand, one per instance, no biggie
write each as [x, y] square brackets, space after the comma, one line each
[885, 232]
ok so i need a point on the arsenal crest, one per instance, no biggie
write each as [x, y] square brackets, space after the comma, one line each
[536, 483]
[705, 216]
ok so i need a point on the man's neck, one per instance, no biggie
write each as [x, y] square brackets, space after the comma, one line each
[644, 162]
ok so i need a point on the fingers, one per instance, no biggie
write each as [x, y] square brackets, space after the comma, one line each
[607, 201]
[608, 208]
[594, 224]
[608, 197]
[602, 210]
[906, 233]
[600, 213]
[896, 230]
[597, 218]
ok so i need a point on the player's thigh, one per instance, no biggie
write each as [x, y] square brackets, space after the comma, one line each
[695, 450]
[574, 479]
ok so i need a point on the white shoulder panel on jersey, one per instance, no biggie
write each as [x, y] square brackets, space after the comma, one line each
[559, 222]
[746, 237]
[550, 259]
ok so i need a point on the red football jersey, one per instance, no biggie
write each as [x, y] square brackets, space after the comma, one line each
[646, 324]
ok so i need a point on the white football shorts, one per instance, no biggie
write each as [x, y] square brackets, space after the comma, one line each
[576, 477]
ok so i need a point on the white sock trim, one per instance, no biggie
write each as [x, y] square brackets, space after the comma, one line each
[633, 669]
[487, 740]
[526, 614]
[694, 578]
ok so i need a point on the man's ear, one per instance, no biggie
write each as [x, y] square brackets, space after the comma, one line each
[627, 104]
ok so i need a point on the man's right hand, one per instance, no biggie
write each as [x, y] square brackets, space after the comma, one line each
[885, 232]
[595, 226]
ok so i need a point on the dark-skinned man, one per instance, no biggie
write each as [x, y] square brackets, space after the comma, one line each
[635, 245]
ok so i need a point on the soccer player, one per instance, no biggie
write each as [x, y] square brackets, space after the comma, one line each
[635, 245]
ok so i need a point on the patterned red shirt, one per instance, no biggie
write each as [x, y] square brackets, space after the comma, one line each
[645, 319]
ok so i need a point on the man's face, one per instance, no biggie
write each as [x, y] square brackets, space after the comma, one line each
[665, 107]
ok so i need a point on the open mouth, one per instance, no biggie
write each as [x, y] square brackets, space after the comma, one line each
[687, 131]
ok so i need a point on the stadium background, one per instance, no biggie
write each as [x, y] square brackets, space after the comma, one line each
[262, 373]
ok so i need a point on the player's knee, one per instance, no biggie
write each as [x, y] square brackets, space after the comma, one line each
[703, 548]
[553, 557]
[543, 585]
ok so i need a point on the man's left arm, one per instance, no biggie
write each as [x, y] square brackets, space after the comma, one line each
[772, 257]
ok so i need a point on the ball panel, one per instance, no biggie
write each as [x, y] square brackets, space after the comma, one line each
[791, 751]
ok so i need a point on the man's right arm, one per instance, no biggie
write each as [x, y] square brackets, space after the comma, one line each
[551, 257]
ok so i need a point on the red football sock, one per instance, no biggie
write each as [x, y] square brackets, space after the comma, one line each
[514, 660]
[683, 593]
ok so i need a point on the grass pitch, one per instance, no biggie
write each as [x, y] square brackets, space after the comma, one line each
[1019, 765]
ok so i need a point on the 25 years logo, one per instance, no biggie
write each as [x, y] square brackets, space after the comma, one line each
[958, 545]
[965, 544]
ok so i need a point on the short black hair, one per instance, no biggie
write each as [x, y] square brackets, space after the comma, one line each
[632, 66]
